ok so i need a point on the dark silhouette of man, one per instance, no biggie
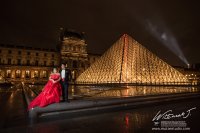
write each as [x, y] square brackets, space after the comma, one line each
[66, 76]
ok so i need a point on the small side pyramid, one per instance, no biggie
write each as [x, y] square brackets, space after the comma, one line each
[128, 62]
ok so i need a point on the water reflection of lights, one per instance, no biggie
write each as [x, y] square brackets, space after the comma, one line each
[133, 120]
[72, 90]
[12, 95]
[132, 91]
[127, 122]
[127, 91]
[11, 98]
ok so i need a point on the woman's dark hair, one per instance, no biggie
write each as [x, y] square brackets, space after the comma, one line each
[55, 68]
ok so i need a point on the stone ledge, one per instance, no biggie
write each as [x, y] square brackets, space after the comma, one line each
[97, 105]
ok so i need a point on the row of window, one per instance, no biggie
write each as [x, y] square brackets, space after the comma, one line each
[29, 53]
[18, 74]
[76, 64]
[75, 48]
[28, 63]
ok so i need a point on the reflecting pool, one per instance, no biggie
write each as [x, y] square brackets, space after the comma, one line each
[87, 92]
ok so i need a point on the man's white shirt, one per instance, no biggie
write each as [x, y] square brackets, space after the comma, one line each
[63, 74]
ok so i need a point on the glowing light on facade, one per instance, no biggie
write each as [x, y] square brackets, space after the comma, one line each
[18, 74]
[27, 73]
[8, 73]
[36, 74]
[127, 61]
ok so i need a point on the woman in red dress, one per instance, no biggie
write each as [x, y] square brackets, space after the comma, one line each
[51, 92]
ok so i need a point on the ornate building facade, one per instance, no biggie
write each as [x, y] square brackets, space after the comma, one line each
[73, 51]
[27, 64]
[34, 65]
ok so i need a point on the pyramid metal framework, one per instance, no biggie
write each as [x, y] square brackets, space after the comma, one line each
[128, 62]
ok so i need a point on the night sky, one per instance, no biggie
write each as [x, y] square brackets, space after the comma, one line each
[155, 24]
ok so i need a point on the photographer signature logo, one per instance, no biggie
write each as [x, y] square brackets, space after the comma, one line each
[170, 115]
[156, 123]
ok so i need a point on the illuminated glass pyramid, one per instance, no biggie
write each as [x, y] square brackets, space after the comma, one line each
[128, 62]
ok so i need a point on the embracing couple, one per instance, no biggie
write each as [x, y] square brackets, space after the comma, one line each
[56, 87]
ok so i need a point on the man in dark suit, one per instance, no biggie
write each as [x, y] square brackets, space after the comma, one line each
[65, 78]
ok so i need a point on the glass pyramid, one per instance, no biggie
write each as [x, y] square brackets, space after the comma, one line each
[128, 62]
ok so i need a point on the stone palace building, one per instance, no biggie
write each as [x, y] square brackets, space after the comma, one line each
[34, 65]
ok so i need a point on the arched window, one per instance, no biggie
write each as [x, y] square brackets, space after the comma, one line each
[44, 74]
[8, 73]
[27, 74]
[36, 74]
[18, 74]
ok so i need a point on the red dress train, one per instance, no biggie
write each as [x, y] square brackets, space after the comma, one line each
[50, 94]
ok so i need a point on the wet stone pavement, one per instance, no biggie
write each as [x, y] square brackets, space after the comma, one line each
[139, 120]
[12, 107]
[128, 121]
